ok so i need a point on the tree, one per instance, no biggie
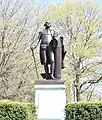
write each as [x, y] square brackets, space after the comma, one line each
[19, 23]
[80, 23]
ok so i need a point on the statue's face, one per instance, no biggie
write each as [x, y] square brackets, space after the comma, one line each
[47, 25]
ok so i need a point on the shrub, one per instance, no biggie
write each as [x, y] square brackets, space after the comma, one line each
[10, 110]
[84, 111]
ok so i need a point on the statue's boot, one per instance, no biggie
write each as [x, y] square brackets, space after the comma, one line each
[62, 65]
[46, 71]
[52, 71]
[52, 77]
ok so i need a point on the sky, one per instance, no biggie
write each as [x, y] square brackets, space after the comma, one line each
[52, 2]
[49, 1]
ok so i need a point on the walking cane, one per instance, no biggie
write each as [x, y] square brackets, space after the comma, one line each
[34, 61]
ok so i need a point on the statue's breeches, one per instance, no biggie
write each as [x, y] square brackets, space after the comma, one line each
[46, 55]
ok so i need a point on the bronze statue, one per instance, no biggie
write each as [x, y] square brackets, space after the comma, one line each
[46, 52]
[51, 52]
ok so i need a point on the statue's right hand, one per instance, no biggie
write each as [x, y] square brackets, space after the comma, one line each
[32, 47]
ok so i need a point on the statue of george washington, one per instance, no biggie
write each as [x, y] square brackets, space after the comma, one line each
[48, 44]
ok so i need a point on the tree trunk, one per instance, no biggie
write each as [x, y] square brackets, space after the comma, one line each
[76, 89]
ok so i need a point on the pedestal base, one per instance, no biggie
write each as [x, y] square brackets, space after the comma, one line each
[50, 99]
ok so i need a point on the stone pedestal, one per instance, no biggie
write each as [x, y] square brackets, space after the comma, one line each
[50, 99]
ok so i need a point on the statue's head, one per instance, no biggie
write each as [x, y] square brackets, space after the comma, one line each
[47, 24]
